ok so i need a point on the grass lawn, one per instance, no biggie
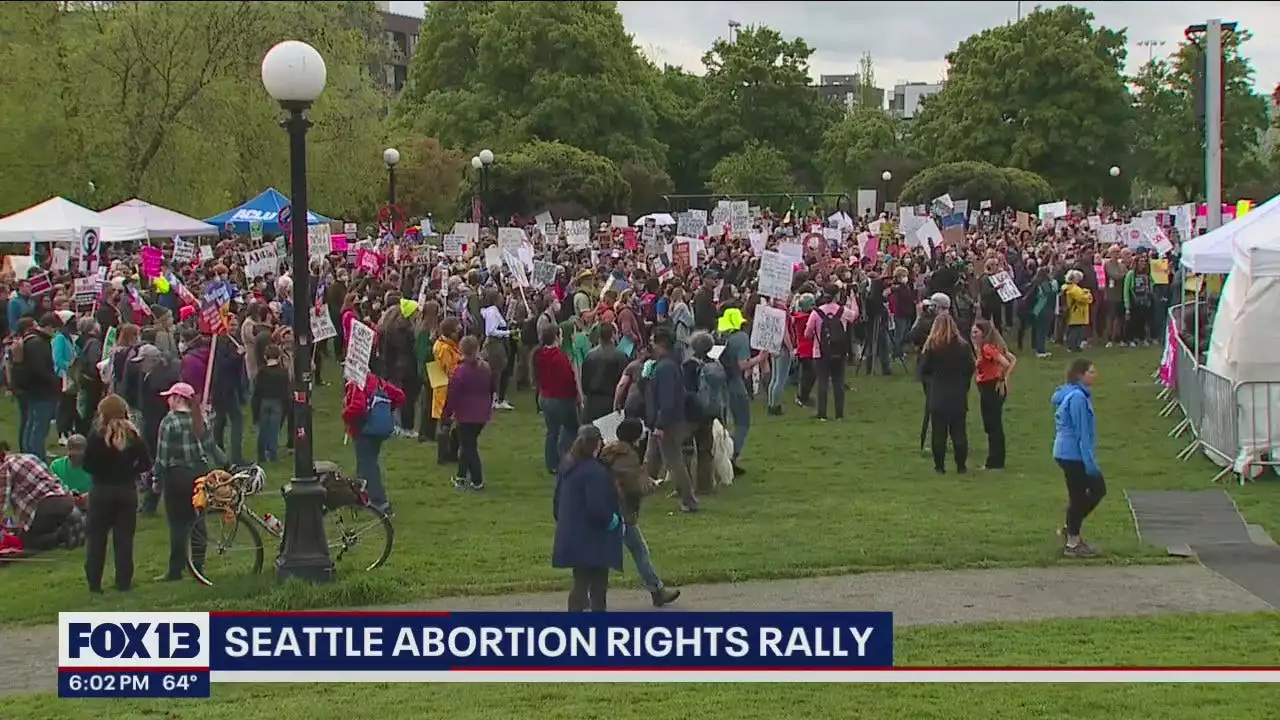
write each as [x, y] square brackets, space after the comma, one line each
[860, 485]
[1200, 640]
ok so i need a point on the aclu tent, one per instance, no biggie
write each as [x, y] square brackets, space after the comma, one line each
[159, 222]
[263, 209]
[1245, 347]
[1214, 252]
[58, 220]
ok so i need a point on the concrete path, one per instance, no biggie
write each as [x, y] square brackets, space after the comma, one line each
[29, 655]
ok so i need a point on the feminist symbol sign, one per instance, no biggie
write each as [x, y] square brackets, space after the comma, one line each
[90, 243]
[391, 220]
[285, 217]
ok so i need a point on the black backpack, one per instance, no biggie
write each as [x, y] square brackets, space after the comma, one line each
[833, 336]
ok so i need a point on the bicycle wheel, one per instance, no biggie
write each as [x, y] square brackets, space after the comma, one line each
[360, 535]
[222, 547]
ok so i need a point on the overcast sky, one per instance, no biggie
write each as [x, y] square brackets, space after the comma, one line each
[909, 40]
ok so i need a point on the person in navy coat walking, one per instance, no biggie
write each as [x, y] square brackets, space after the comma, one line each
[588, 522]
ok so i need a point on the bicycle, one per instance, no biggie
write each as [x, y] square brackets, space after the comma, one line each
[225, 504]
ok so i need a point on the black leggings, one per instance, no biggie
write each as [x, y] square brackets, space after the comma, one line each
[113, 510]
[991, 402]
[808, 376]
[590, 586]
[178, 482]
[1084, 492]
[949, 424]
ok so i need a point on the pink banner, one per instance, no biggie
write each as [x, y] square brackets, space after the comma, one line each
[339, 242]
[1169, 360]
[368, 261]
[152, 260]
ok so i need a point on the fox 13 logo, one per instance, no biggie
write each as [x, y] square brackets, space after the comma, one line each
[138, 640]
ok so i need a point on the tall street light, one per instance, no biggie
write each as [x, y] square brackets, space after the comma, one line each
[481, 163]
[294, 74]
[391, 157]
[886, 176]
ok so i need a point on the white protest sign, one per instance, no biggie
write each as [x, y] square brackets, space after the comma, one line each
[359, 351]
[775, 274]
[578, 232]
[1005, 287]
[319, 241]
[1053, 210]
[60, 260]
[792, 250]
[351, 231]
[758, 241]
[544, 273]
[261, 262]
[544, 219]
[740, 218]
[619, 222]
[928, 231]
[691, 223]
[510, 239]
[492, 257]
[453, 245]
[321, 325]
[184, 251]
[768, 329]
[471, 231]
[206, 253]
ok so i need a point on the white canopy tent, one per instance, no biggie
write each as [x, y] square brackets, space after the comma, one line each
[1245, 347]
[159, 222]
[58, 220]
[1214, 252]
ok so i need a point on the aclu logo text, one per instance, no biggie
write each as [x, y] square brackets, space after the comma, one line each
[133, 640]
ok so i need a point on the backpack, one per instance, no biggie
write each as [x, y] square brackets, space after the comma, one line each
[1142, 290]
[833, 336]
[379, 421]
[712, 389]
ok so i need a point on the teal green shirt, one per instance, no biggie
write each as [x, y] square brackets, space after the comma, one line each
[73, 478]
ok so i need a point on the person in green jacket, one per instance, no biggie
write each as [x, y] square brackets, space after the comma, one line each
[70, 468]
[425, 326]
[1139, 299]
[1043, 301]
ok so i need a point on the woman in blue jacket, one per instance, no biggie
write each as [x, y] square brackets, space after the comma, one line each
[1074, 447]
[588, 523]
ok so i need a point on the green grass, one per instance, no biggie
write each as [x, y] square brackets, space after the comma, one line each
[860, 485]
[1199, 640]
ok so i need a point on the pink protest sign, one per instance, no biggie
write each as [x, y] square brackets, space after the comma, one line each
[339, 243]
[152, 260]
[368, 261]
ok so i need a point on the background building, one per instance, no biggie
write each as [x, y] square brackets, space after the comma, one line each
[846, 90]
[907, 96]
[402, 36]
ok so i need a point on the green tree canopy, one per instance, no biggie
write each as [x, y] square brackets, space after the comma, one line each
[498, 74]
[1169, 138]
[541, 175]
[757, 169]
[978, 181]
[856, 149]
[1044, 94]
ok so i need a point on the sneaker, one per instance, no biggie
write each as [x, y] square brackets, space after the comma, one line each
[410, 434]
[800, 402]
[1044, 355]
[1079, 550]
[504, 405]
[664, 596]
[474, 487]
[460, 483]
[1109, 345]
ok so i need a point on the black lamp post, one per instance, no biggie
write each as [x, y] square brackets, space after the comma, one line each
[481, 163]
[391, 157]
[294, 74]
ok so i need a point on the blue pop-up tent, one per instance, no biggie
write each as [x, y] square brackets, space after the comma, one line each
[264, 209]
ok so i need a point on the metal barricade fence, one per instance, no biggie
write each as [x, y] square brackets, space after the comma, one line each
[1219, 435]
[1259, 427]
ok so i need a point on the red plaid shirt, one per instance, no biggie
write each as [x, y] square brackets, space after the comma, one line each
[24, 482]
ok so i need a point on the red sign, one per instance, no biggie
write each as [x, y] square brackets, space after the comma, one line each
[681, 259]
[391, 219]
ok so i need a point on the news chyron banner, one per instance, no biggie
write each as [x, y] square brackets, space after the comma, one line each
[178, 655]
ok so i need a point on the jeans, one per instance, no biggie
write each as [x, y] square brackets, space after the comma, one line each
[270, 416]
[367, 468]
[991, 403]
[469, 453]
[808, 375]
[35, 434]
[233, 414]
[590, 589]
[740, 411]
[46, 529]
[24, 416]
[1084, 492]
[639, 549]
[830, 374]
[781, 373]
[1075, 337]
[1040, 332]
[668, 452]
[66, 414]
[113, 510]
[561, 419]
[901, 326]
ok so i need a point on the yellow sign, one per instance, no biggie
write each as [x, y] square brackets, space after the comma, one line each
[1160, 272]
[1243, 207]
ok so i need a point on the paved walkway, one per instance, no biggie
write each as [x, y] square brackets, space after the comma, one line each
[29, 655]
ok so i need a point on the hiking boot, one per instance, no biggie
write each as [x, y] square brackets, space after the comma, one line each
[1079, 550]
[738, 471]
[664, 596]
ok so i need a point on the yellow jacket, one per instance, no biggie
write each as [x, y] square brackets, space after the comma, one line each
[1078, 302]
[448, 355]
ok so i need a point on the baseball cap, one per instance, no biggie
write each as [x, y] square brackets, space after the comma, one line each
[940, 301]
[181, 389]
[147, 352]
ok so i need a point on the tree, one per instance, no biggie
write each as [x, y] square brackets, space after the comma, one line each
[428, 177]
[978, 181]
[648, 185]
[676, 96]
[757, 169]
[757, 88]
[869, 96]
[1168, 135]
[498, 74]
[854, 150]
[1045, 94]
[539, 175]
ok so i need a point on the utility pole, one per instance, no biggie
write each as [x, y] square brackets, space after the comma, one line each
[1213, 122]
[733, 30]
[1151, 46]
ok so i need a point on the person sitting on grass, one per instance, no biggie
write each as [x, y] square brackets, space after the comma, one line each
[43, 513]
[70, 467]
[621, 456]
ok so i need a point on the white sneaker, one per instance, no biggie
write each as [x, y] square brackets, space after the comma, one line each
[1110, 344]
[504, 405]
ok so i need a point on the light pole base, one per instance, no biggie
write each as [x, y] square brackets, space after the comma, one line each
[304, 552]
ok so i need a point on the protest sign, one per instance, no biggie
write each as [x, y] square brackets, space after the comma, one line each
[768, 329]
[152, 261]
[775, 274]
[260, 262]
[578, 232]
[691, 223]
[454, 246]
[368, 261]
[86, 292]
[206, 253]
[184, 251]
[321, 324]
[544, 273]
[359, 352]
[510, 239]
[319, 241]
